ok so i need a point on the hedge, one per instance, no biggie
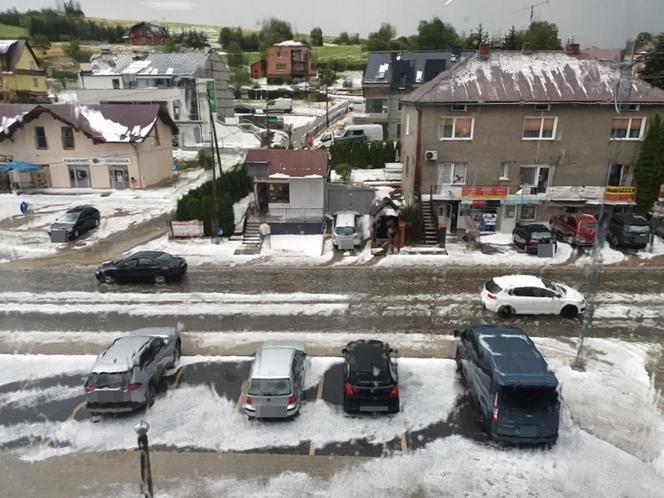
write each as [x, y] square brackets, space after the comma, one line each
[364, 155]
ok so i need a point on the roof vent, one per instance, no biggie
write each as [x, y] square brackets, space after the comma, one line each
[484, 51]
[525, 48]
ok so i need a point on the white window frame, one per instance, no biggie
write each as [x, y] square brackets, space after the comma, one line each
[453, 171]
[541, 128]
[454, 121]
[504, 170]
[629, 127]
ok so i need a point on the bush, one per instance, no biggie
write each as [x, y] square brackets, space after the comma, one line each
[363, 154]
[344, 170]
[227, 218]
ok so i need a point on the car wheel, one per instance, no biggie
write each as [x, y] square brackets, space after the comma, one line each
[569, 311]
[151, 393]
[96, 222]
[108, 279]
[614, 241]
[506, 311]
[159, 279]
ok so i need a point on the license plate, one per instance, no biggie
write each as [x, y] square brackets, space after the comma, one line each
[271, 411]
[373, 408]
[528, 430]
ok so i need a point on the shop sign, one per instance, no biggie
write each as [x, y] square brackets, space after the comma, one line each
[620, 194]
[485, 193]
[117, 161]
[523, 201]
[79, 161]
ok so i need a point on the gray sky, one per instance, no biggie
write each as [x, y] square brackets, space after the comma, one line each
[604, 23]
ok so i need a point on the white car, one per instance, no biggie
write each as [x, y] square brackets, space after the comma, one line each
[530, 295]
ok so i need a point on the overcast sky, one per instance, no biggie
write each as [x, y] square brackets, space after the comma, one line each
[604, 23]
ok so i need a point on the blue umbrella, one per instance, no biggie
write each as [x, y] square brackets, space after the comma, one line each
[20, 166]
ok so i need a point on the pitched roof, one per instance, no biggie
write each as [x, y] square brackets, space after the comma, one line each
[295, 163]
[11, 50]
[110, 123]
[511, 76]
[381, 63]
[149, 64]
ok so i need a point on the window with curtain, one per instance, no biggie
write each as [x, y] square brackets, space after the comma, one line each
[539, 128]
[627, 128]
[455, 128]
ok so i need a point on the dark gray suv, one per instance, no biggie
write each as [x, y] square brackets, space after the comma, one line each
[126, 375]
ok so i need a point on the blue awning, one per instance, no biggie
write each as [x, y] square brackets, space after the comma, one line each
[20, 166]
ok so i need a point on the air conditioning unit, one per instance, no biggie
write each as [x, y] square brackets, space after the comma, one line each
[431, 155]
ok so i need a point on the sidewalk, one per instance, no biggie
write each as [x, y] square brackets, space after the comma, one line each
[104, 474]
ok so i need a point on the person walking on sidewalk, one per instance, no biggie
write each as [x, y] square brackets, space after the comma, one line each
[264, 230]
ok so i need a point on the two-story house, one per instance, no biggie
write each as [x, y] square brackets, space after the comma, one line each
[523, 135]
[100, 146]
[291, 60]
[176, 81]
[22, 78]
[392, 75]
[145, 33]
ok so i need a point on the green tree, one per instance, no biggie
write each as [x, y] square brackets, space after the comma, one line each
[380, 40]
[436, 35]
[73, 50]
[653, 70]
[476, 37]
[344, 170]
[240, 77]
[192, 39]
[316, 37]
[273, 31]
[327, 76]
[225, 36]
[227, 218]
[205, 159]
[41, 42]
[235, 55]
[542, 35]
[642, 38]
[342, 39]
[649, 170]
[513, 40]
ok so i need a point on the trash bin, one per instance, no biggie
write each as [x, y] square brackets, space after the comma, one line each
[442, 234]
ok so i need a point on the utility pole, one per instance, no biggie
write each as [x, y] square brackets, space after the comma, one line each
[212, 103]
[141, 429]
[622, 93]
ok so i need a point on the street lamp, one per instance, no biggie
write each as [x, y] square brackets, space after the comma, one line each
[141, 429]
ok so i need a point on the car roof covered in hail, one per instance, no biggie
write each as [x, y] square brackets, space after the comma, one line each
[510, 281]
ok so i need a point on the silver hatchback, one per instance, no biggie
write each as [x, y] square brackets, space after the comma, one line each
[126, 375]
[276, 382]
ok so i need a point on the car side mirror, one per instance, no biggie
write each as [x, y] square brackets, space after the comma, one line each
[395, 351]
[344, 351]
[457, 332]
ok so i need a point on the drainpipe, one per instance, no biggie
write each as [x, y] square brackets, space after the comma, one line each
[418, 157]
[138, 165]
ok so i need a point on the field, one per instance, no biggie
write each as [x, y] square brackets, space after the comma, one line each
[7, 31]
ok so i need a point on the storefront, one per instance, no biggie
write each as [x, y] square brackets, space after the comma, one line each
[98, 172]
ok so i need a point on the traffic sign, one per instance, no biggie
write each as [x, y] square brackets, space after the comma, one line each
[25, 207]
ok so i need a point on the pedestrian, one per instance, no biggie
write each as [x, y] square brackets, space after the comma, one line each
[264, 230]
[133, 183]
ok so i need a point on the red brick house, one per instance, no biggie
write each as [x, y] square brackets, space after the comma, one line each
[145, 33]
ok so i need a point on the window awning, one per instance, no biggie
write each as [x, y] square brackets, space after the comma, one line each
[20, 166]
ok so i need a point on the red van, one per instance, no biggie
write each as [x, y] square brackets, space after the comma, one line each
[575, 229]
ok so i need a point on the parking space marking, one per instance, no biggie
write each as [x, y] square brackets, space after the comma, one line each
[178, 376]
[239, 400]
[76, 409]
[319, 395]
[404, 444]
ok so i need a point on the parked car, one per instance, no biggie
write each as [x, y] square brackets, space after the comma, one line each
[527, 237]
[276, 382]
[280, 105]
[244, 109]
[346, 230]
[657, 225]
[575, 229]
[126, 375]
[145, 266]
[371, 381]
[353, 133]
[511, 383]
[529, 295]
[628, 230]
[75, 222]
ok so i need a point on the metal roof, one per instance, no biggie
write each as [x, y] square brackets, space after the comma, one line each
[176, 63]
[546, 76]
[381, 63]
[291, 163]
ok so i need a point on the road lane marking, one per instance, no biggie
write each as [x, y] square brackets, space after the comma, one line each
[404, 444]
[312, 448]
[178, 376]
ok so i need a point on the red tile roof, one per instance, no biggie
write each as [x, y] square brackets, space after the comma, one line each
[296, 163]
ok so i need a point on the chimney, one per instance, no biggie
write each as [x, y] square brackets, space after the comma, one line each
[484, 51]
[572, 48]
[525, 48]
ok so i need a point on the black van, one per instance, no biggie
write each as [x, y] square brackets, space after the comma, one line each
[511, 382]
[627, 230]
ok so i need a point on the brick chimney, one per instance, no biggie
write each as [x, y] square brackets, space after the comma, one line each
[572, 48]
[485, 50]
[525, 48]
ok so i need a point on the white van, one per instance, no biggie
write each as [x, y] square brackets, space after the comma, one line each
[353, 133]
[346, 230]
[280, 105]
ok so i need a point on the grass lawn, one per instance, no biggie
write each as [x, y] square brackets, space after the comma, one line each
[348, 53]
[7, 31]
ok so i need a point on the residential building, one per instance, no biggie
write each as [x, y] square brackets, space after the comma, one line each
[291, 60]
[289, 188]
[97, 146]
[145, 33]
[392, 75]
[22, 78]
[157, 71]
[525, 135]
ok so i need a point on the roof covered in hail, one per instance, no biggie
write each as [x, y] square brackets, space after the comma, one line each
[295, 163]
[547, 76]
[148, 64]
[111, 123]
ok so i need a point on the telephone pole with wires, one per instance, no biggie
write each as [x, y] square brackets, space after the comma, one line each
[532, 9]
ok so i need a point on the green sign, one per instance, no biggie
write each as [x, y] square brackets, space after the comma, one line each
[212, 95]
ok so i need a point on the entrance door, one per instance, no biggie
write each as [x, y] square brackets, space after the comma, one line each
[119, 177]
[508, 219]
[79, 176]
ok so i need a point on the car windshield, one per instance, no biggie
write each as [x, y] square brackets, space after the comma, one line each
[493, 287]
[528, 397]
[344, 230]
[637, 228]
[269, 387]
[164, 258]
[68, 218]
[589, 226]
[540, 235]
[554, 287]
[108, 380]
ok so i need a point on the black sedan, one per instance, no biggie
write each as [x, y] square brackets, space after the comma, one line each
[526, 237]
[371, 382]
[76, 221]
[144, 266]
